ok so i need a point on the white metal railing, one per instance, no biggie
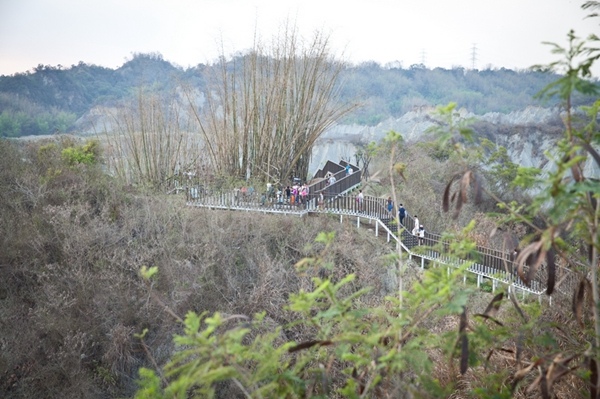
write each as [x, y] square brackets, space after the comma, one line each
[485, 264]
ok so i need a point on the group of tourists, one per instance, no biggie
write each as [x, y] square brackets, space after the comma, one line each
[243, 193]
[330, 177]
[418, 230]
[297, 194]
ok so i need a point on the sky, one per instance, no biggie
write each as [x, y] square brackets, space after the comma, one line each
[438, 33]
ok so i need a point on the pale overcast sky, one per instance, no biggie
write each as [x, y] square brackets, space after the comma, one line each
[442, 33]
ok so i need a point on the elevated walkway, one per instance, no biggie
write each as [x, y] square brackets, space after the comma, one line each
[335, 198]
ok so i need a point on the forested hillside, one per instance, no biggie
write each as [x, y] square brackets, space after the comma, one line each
[49, 99]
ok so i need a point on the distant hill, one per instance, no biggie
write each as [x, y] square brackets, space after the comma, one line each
[51, 99]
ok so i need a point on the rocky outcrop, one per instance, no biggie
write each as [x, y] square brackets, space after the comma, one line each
[527, 134]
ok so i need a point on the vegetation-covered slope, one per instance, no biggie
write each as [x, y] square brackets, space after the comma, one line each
[73, 242]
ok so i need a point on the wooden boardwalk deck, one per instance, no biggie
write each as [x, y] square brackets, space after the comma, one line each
[338, 199]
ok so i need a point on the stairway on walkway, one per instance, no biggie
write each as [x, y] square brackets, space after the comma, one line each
[485, 263]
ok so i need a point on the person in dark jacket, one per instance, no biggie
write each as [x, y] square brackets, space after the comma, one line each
[401, 214]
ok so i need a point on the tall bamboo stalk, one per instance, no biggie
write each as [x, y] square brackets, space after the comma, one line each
[149, 139]
[265, 110]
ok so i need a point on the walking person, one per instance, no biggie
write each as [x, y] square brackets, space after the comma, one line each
[421, 234]
[360, 198]
[236, 196]
[513, 258]
[390, 205]
[304, 193]
[402, 214]
[294, 197]
[416, 226]
[415, 231]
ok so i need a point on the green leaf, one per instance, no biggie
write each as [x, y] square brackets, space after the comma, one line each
[147, 273]
[192, 323]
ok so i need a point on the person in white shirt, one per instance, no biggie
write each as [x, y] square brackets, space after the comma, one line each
[360, 198]
[421, 234]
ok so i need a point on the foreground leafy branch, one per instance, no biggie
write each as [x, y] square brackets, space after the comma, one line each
[563, 216]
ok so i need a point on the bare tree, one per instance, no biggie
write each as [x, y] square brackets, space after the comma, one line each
[265, 109]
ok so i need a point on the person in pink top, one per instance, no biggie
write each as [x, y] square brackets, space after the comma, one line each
[304, 193]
